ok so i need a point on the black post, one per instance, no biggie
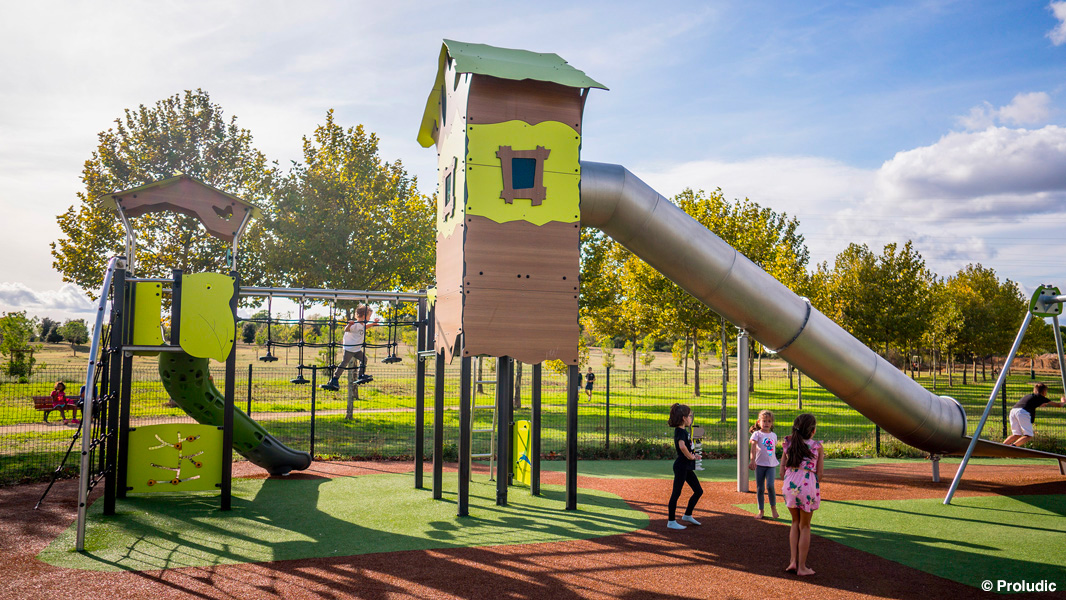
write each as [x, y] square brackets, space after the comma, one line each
[534, 434]
[125, 397]
[314, 386]
[877, 442]
[1003, 407]
[607, 420]
[230, 398]
[249, 389]
[573, 379]
[175, 308]
[438, 426]
[420, 393]
[111, 401]
[503, 428]
[464, 437]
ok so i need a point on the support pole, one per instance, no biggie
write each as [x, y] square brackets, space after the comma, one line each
[503, 427]
[1058, 348]
[743, 376]
[464, 437]
[438, 425]
[230, 399]
[119, 308]
[573, 380]
[420, 393]
[534, 434]
[1000, 381]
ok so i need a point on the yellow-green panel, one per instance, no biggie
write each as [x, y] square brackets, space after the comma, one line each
[561, 139]
[147, 310]
[207, 323]
[523, 468]
[174, 457]
[485, 184]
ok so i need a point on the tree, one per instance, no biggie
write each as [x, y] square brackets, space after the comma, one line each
[75, 332]
[16, 331]
[49, 331]
[882, 300]
[344, 219]
[989, 311]
[185, 133]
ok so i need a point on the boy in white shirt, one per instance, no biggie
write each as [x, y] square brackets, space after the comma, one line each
[354, 346]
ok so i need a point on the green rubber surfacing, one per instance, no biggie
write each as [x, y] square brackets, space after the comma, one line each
[288, 519]
[976, 538]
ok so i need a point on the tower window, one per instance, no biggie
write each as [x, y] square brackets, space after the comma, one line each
[523, 174]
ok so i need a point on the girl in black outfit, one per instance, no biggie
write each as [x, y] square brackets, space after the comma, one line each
[684, 465]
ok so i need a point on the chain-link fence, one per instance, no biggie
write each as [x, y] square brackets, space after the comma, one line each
[625, 417]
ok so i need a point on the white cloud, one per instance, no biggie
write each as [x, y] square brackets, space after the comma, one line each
[998, 171]
[1033, 108]
[1058, 34]
[67, 300]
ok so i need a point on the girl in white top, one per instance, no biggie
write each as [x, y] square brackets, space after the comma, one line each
[763, 459]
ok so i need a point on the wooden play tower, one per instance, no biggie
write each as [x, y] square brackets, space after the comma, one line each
[507, 128]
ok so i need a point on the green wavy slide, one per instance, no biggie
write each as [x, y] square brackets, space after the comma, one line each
[186, 380]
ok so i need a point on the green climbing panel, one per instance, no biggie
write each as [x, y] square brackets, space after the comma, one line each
[174, 457]
[147, 307]
[208, 326]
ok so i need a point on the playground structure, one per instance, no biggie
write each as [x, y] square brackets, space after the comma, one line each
[512, 196]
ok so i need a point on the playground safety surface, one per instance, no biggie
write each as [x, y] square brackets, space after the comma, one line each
[731, 556]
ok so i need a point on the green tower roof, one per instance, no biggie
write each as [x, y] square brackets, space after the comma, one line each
[504, 63]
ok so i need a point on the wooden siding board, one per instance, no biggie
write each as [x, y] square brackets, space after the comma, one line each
[531, 326]
[546, 257]
[495, 100]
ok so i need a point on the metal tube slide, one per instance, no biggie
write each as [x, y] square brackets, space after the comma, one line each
[653, 228]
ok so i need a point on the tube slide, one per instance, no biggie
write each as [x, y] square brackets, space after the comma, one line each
[186, 380]
[653, 228]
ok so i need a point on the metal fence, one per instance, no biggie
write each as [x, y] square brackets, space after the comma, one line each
[624, 418]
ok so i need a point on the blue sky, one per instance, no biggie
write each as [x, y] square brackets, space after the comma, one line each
[873, 122]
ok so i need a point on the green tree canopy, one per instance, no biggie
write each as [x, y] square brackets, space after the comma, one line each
[345, 219]
[16, 332]
[75, 332]
[882, 300]
[185, 133]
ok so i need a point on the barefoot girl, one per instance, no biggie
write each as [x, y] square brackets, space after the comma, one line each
[802, 462]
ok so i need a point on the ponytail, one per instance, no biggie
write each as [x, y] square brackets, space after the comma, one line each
[678, 412]
[798, 451]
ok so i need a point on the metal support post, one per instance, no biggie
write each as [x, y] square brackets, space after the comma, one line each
[534, 434]
[230, 398]
[420, 393]
[743, 377]
[503, 428]
[464, 437]
[1000, 381]
[438, 426]
[573, 380]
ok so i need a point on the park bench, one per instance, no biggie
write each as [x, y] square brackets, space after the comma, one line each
[44, 404]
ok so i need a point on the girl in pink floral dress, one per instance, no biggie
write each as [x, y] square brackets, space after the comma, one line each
[802, 465]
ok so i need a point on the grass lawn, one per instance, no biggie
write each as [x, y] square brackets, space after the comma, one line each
[284, 519]
[1021, 538]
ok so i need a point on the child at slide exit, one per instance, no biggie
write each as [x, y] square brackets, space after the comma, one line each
[802, 464]
[684, 465]
[763, 459]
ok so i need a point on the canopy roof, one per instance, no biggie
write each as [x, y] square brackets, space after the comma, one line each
[504, 63]
[222, 214]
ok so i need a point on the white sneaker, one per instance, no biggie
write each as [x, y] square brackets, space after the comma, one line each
[674, 525]
[689, 519]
